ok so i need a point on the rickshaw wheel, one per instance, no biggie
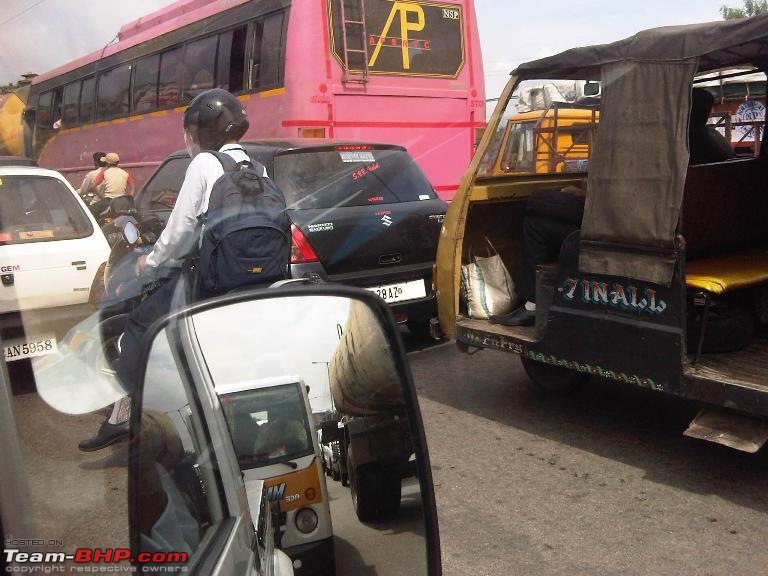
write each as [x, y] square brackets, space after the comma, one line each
[551, 378]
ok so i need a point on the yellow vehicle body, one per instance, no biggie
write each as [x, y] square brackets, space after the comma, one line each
[545, 141]
[11, 129]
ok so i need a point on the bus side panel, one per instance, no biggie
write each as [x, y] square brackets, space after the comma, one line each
[141, 141]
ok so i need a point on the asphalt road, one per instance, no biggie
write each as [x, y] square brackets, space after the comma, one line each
[379, 548]
[599, 483]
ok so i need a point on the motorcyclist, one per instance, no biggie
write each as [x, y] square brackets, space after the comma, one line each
[87, 189]
[214, 120]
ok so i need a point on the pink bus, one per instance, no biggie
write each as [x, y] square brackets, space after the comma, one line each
[407, 73]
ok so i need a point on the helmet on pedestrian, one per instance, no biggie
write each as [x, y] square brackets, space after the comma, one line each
[213, 118]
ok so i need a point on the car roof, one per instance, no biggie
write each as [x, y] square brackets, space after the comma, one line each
[16, 161]
[30, 171]
[285, 144]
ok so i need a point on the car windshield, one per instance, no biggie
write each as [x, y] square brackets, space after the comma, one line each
[39, 209]
[268, 425]
[161, 190]
[349, 176]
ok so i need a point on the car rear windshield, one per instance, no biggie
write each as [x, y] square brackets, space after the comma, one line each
[39, 209]
[349, 176]
[161, 191]
[268, 425]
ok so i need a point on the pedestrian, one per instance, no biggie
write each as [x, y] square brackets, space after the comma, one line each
[214, 121]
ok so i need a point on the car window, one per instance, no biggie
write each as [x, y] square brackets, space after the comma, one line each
[163, 188]
[349, 176]
[268, 425]
[39, 209]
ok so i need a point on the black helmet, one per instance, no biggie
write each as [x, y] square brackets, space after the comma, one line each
[214, 117]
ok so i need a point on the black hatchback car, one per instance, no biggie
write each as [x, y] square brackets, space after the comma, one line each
[362, 214]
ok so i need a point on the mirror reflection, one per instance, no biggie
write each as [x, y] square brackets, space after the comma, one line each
[307, 392]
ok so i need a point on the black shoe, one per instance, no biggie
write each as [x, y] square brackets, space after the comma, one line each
[107, 434]
[518, 317]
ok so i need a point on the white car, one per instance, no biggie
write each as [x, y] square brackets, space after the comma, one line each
[52, 257]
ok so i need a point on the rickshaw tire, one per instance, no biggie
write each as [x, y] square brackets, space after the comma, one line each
[556, 379]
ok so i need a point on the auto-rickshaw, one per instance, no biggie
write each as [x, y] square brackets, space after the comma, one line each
[665, 283]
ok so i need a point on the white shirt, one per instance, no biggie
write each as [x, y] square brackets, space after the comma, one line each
[180, 233]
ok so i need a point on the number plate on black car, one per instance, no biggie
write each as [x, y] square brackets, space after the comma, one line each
[401, 291]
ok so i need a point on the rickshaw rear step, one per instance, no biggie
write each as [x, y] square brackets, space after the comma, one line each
[730, 429]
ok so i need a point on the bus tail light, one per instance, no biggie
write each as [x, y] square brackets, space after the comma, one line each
[301, 251]
[311, 132]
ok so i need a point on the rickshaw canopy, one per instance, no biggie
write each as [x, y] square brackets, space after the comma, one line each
[638, 162]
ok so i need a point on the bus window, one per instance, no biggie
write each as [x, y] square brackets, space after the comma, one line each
[145, 83]
[113, 91]
[169, 91]
[268, 46]
[44, 109]
[87, 95]
[69, 112]
[231, 64]
[198, 70]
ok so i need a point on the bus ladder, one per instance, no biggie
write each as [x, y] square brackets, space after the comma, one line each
[358, 76]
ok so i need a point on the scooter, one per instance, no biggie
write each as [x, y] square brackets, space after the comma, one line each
[123, 290]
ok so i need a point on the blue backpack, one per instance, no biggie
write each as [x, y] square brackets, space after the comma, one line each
[246, 233]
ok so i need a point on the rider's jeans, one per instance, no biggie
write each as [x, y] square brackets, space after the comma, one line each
[157, 305]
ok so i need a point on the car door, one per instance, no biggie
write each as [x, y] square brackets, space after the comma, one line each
[186, 491]
[50, 247]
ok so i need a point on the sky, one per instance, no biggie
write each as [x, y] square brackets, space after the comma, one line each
[38, 35]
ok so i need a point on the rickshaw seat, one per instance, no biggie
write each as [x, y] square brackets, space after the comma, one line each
[720, 274]
[725, 215]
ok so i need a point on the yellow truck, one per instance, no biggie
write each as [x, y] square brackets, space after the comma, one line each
[556, 139]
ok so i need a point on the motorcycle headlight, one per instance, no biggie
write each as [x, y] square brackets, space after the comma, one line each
[306, 520]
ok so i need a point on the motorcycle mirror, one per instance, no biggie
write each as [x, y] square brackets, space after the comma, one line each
[223, 409]
[131, 233]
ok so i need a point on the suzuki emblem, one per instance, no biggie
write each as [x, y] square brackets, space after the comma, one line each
[386, 220]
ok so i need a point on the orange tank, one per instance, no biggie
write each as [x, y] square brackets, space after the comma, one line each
[11, 129]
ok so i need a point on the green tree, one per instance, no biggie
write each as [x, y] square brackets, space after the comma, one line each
[751, 8]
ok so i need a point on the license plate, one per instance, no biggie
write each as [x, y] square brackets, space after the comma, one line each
[28, 348]
[401, 291]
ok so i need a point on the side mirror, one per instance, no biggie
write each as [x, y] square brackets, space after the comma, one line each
[222, 412]
[592, 89]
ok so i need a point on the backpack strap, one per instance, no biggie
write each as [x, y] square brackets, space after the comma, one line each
[226, 161]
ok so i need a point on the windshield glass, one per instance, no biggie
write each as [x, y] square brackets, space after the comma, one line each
[39, 208]
[161, 190]
[268, 425]
[547, 126]
[349, 176]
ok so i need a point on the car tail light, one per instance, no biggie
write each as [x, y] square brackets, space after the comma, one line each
[301, 251]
